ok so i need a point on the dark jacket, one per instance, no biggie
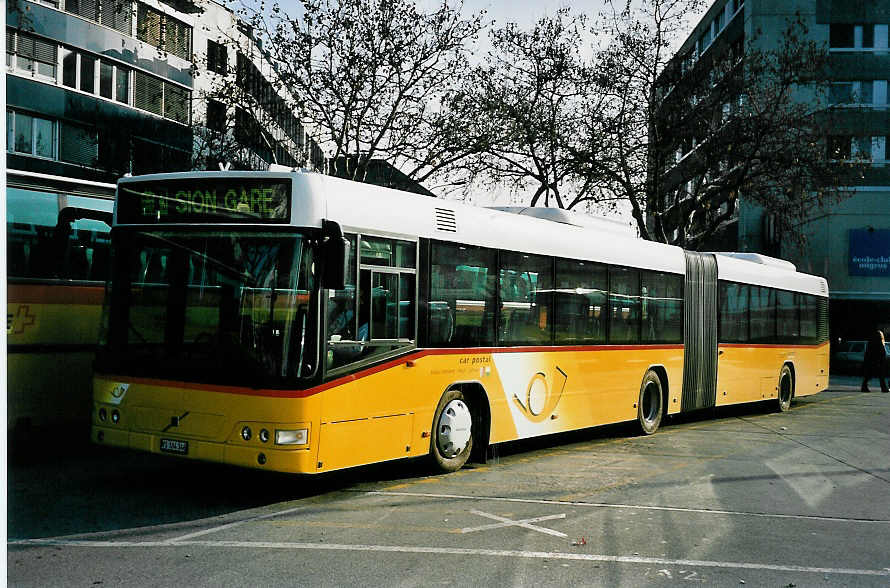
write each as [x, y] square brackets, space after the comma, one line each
[874, 351]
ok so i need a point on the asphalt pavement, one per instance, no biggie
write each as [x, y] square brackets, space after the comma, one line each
[749, 497]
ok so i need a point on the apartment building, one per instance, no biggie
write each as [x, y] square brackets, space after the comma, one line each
[99, 88]
[848, 242]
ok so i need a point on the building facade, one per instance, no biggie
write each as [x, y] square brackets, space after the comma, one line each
[848, 242]
[243, 118]
[99, 88]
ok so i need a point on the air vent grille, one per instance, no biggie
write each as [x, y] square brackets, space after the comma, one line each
[445, 220]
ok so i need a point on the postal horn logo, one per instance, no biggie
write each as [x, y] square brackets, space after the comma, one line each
[542, 396]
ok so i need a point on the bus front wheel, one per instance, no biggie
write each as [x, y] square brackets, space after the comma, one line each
[786, 389]
[649, 407]
[452, 437]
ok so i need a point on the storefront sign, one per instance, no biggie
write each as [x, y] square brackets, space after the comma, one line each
[869, 252]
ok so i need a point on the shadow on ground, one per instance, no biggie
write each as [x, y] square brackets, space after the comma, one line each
[77, 488]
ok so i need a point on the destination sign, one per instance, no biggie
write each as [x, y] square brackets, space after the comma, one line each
[203, 200]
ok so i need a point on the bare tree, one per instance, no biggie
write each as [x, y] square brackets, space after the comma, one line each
[690, 137]
[369, 76]
[522, 108]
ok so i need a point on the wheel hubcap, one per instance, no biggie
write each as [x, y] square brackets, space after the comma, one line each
[454, 428]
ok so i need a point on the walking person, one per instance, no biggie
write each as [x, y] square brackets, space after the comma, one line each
[875, 362]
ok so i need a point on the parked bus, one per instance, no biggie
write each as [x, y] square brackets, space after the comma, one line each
[303, 323]
[57, 244]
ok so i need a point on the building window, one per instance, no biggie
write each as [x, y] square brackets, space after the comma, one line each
[217, 57]
[177, 38]
[148, 93]
[868, 36]
[106, 79]
[148, 25]
[122, 85]
[69, 68]
[176, 103]
[30, 135]
[78, 145]
[841, 36]
[163, 31]
[30, 55]
[858, 36]
[862, 148]
[118, 14]
[841, 93]
[88, 9]
[162, 98]
[216, 116]
[88, 74]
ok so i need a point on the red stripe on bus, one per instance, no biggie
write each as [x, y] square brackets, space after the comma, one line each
[54, 294]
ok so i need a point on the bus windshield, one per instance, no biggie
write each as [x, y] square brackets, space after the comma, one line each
[211, 306]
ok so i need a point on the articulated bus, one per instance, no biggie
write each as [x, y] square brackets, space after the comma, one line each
[57, 246]
[302, 323]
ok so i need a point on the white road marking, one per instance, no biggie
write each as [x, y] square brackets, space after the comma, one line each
[457, 551]
[230, 525]
[525, 523]
[627, 506]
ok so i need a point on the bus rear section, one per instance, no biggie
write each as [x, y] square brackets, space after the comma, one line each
[57, 249]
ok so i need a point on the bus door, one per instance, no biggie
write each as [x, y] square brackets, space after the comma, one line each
[700, 332]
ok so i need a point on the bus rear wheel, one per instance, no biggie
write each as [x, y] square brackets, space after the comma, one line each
[649, 407]
[786, 389]
[452, 438]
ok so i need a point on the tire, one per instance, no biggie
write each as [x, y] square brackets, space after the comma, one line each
[786, 390]
[650, 407]
[451, 440]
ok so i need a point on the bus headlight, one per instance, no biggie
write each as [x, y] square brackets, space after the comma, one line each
[246, 433]
[103, 415]
[115, 416]
[291, 437]
[264, 435]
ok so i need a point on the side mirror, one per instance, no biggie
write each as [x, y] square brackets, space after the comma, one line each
[335, 250]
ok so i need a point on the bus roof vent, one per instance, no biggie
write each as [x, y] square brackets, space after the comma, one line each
[761, 259]
[445, 220]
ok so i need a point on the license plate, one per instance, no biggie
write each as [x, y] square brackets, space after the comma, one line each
[175, 446]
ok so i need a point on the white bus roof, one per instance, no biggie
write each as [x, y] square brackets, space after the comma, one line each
[363, 207]
[764, 272]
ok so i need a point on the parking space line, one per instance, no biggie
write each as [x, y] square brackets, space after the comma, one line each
[551, 555]
[230, 525]
[525, 523]
[629, 506]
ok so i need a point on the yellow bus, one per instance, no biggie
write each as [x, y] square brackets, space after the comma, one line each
[57, 245]
[302, 323]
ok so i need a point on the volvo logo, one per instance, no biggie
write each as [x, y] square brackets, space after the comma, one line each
[174, 421]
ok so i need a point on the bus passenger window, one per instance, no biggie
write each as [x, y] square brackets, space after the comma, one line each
[462, 296]
[624, 304]
[787, 318]
[733, 309]
[580, 302]
[809, 319]
[662, 307]
[763, 314]
[526, 299]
